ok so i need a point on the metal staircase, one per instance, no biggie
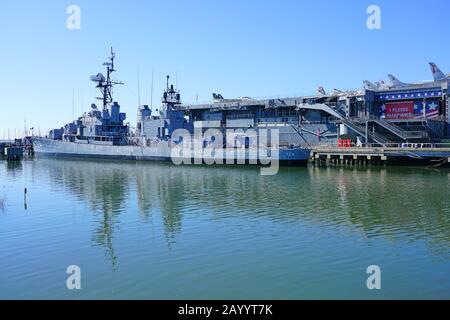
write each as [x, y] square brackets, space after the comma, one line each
[403, 134]
[361, 130]
[358, 128]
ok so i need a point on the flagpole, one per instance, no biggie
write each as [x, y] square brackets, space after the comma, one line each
[425, 108]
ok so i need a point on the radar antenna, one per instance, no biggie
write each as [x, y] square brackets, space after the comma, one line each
[105, 85]
[171, 97]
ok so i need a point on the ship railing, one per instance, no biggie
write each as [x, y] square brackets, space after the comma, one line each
[390, 145]
[328, 120]
[294, 122]
[275, 123]
[95, 138]
[429, 145]
[170, 143]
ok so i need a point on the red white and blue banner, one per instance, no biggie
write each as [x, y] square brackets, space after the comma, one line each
[410, 109]
[431, 109]
[398, 110]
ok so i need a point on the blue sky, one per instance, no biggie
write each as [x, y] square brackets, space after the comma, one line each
[239, 48]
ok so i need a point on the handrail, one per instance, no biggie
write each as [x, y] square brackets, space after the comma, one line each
[358, 128]
[405, 134]
[420, 146]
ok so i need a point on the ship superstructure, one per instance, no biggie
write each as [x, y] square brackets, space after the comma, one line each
[103, 125]
[170, 117]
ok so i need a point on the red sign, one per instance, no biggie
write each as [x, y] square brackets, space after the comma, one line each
[344, 143]
[400, 110]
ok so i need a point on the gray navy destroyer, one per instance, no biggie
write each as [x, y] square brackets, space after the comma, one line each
[216, 134]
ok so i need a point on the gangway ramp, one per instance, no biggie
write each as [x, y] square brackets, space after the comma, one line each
[359, 129]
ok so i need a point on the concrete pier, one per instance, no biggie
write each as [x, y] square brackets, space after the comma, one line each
[13, 153]
[363, 156]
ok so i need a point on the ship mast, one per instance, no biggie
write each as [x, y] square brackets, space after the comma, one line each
[105, 85]
[171, 96]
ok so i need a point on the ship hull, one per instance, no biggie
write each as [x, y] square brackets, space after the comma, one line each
[59, 149]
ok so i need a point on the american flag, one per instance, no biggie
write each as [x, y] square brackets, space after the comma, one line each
[431, 109]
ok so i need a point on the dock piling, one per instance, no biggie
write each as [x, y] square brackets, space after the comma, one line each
[25, 191]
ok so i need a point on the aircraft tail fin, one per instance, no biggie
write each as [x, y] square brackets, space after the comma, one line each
[321, 91]
[370, 86]
[395, 81]
[437, 73]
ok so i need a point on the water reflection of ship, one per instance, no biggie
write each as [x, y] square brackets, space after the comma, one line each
[103, 187]
[152, 188]
[363, 201]
[106, 188]
[108, 199]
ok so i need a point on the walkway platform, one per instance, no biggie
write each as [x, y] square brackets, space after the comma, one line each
[380, 155]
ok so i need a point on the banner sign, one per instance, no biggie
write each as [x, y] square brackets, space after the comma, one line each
[410, 109]
[400, 110]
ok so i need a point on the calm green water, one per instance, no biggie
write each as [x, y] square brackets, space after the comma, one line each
[157, 231]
